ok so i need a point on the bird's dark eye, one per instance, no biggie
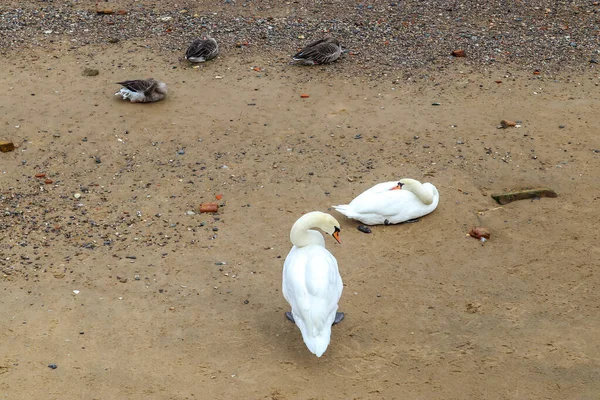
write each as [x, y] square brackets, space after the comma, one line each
[400, 184]
[336, 229]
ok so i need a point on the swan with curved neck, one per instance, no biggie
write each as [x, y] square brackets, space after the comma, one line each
[301, 235]
[312, 284]
[392, 202]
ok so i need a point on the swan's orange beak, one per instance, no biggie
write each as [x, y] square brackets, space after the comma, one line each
[397, 187]
[336, 236]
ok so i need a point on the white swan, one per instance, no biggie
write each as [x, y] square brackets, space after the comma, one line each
[311, 281]
[392, 202]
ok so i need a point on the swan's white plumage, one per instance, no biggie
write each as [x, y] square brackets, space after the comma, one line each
[380, 203]
[312, 284]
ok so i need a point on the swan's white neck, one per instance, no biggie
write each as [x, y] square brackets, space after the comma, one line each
[426, 196]
[301, 235]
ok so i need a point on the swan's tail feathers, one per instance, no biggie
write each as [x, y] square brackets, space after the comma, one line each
[344, 209]
[318, 344]
[316, 332]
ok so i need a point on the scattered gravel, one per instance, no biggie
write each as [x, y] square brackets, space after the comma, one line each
[381, 35]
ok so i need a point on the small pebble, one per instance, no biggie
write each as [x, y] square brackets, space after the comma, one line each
[90, 72]
[52, 366]
[98, 160]
[246, 301]
[561, 126]
[505, 123]
[436, 104]
[221, 263]
[364, 229]
[181, 152]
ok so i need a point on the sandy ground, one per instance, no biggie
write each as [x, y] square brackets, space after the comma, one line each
[430, 313]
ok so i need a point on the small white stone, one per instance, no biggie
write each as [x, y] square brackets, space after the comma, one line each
[77, 195]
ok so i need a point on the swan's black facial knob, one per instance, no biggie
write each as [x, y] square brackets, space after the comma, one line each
[398, 186]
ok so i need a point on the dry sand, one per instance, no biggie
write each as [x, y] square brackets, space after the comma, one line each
[430, 312]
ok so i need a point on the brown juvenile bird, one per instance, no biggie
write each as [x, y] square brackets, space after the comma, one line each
[142, 91]
[322, 51]
[202, 49]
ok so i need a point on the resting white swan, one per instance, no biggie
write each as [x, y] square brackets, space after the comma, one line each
[311, 281]
[392, 202]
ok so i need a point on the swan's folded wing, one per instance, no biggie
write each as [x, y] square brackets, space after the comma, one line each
[362, 202]
[385, 203]
[379, 188]
[321, 272]
[324, 286]
[293, 287]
